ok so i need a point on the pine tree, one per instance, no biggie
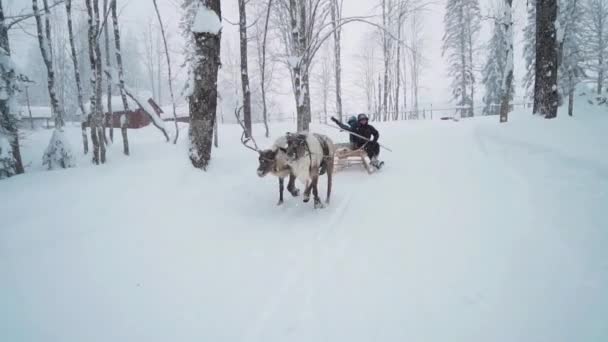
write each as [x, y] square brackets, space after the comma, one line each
[595, 39]
[571, 69]
[494, 70]
[462, 22]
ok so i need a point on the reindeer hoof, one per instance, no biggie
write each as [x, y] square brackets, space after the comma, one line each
[318, 204]
[294, 192]
[280, 202]
[306, 199]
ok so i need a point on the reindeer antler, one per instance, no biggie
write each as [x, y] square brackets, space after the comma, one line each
[246, 137]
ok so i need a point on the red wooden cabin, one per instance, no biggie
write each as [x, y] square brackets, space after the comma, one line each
[137, 118]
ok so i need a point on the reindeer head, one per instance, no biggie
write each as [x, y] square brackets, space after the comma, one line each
[268, 161]
[296, 146]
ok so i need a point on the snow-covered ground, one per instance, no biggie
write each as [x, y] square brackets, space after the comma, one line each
[473, 231]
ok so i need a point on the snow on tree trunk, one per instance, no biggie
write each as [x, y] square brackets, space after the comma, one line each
[10, 152]
[386, 53]
[58, 153]
[530, 51]
[96, 119]
[244, 67]
[77, 79]
[546, 76]
[206, 31]
[336, 17]
[507, 81]
[169, 70]
[109, 120]
[121, 79]
[263, 69]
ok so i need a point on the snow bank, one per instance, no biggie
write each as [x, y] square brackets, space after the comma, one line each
[206, 21]
[473, 231]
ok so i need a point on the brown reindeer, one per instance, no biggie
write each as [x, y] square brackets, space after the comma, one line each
[272, 160]
[310, 155]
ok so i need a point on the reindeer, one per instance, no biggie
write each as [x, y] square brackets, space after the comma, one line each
[310, 155]
[272, 160]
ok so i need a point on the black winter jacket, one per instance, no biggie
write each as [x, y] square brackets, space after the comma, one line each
[364, 130]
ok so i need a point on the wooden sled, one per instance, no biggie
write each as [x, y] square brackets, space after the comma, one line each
[346, 157]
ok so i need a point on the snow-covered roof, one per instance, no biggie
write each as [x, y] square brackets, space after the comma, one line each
[181, 110]
[37, 111]
[117, 104]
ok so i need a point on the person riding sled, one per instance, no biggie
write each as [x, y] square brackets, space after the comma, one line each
[360, 126]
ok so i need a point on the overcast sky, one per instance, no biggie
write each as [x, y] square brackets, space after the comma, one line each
[434, 82]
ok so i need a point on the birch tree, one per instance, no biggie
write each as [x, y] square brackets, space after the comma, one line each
[109, 119]
[530, 50]
[96, 121]
[121, 78]
[336, 17]
[462, 22]
[261, 40]
[58, 153]
[304, 27]
[244, 67]
[77, 78]
[168, 57]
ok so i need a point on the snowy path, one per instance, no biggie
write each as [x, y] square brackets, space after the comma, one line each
[468, 234]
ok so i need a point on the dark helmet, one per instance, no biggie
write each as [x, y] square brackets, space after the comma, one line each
[352, 120]
[362, 117]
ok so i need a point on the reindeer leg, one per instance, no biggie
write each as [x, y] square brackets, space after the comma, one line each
[307, 191]
[281, 186]
[291, 186]
[315, 191]
[330, 172]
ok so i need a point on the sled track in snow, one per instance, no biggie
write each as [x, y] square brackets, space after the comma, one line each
[305, 275]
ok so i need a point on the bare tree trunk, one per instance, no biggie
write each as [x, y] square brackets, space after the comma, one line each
[263, 69]
[162, 30]
[507, 81]
[547, 56]
[398, 59]
[96, 120]
[29, 107]
[385, 49]
[44, 35]
[121, 79]
[109, 121]
[83, 113]
[7, 121]
[203, 101]
[336, 16]
[216, 141]
[244, 67]
[571, 87]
